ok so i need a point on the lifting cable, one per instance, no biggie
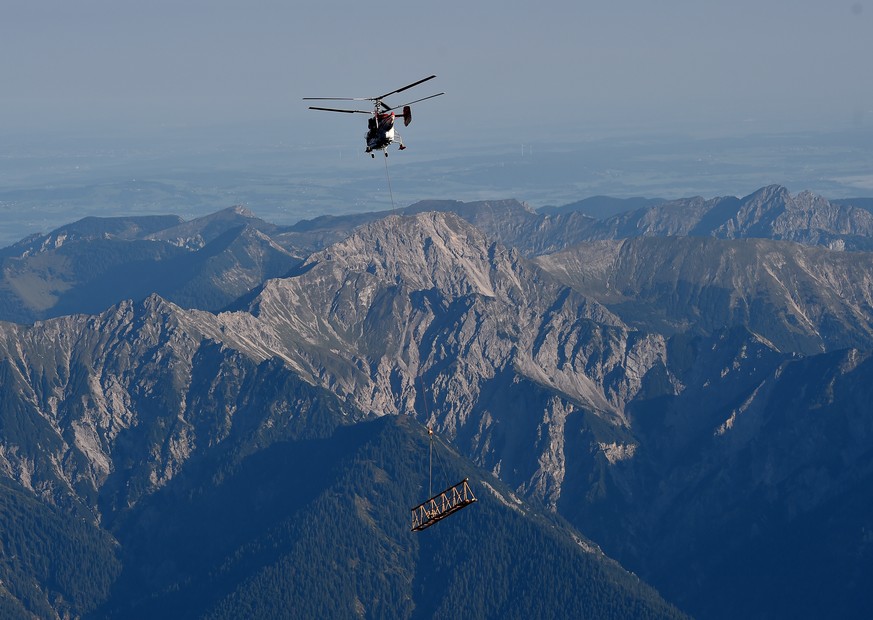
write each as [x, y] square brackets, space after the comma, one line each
[443, 504]
[430, 436]
[388, 177]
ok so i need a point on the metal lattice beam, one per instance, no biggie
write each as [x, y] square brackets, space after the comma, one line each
[442, 505]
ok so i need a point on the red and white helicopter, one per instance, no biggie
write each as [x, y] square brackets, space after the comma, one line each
[380, 132]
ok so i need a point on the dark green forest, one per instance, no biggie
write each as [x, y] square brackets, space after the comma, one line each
[320, 527]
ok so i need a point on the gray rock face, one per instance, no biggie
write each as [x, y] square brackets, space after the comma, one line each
[802, 299]
[770, 213]
[102, 410]
[423, 316]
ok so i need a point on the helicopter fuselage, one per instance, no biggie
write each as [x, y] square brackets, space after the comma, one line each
[380, 132]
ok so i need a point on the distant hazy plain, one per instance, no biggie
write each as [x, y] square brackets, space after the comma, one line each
[48, 183]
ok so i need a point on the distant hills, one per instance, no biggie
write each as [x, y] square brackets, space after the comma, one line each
[679, 390]
[211, 261]
[603, 207]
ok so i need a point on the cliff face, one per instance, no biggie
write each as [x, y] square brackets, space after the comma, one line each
[802, 299]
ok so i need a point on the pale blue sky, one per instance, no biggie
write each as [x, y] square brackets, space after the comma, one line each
[574, 64]
[664, 98]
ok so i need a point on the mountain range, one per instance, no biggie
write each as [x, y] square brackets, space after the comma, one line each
[230, 418]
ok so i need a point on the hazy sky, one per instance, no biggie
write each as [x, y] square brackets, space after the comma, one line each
[574, 64]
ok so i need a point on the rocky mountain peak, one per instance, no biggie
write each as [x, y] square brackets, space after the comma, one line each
[423, 251]
[196, 233]
[769, 194]
[90, 229]
[242, 210]
[773, 212]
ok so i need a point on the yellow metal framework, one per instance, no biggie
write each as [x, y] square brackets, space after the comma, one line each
[442, 505]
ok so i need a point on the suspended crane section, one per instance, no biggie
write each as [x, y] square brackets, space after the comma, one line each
[442, 505]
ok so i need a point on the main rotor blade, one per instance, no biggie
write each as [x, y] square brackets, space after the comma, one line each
[416, 101]
[338, 110]
[400, 90]
[337, 99]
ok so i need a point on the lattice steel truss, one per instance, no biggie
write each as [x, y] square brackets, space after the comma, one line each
[442, 505]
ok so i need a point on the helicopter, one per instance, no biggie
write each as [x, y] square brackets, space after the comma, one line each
[380, 126]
